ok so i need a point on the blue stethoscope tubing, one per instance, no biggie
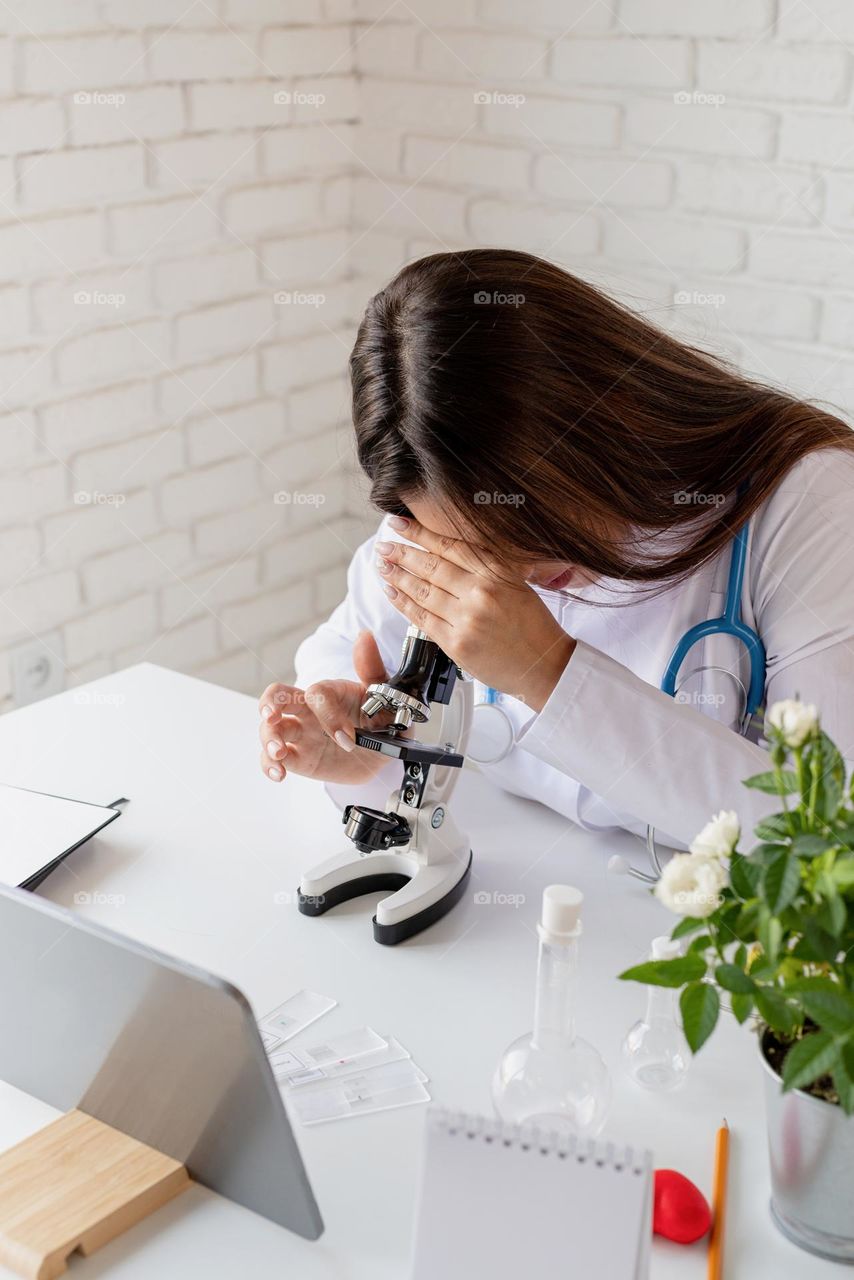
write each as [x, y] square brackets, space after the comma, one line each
[729, 623]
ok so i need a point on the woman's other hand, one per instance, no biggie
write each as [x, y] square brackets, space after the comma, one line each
[311, 731]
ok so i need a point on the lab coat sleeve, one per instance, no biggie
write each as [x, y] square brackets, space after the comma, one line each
[639, 750]
[327, 654]
[646, 754]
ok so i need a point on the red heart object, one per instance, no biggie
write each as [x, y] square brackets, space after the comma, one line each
[680, 1210]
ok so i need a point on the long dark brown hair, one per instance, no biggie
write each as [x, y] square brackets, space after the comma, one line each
[553, 423]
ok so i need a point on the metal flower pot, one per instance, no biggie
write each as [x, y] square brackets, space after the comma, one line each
[811, 1145]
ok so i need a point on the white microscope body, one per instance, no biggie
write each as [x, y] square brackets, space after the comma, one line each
[414, 848]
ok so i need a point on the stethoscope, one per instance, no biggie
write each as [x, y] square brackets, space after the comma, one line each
[493, 735]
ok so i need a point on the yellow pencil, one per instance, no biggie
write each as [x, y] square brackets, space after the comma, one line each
[716, 1242]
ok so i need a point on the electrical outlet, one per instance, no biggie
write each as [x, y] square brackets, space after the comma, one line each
[37, 669]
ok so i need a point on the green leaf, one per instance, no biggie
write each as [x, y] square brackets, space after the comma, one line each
[778, 828]
[742, 1006]
[720, 922]
[731, 978]
[825, 756]
[762, 853]
[744, 927]
[699, 1005]
[831, 757]
[832, 915]
[823, 945]
[844, 834]
[776, 1010]
[808, 845]
[831, 1010]
[667, 973]
[701, 943]
[829, 798]
[781, 880]
[815, 982]
[846, 1055]
[812, 1056]
[783, 784]
[744, 876]
[842, 873]
[690, 924]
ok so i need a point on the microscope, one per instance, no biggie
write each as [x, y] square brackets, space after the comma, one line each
[414, 848]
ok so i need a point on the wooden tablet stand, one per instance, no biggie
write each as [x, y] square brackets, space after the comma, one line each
[73, 1186]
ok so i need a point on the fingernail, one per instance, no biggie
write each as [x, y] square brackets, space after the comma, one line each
[398, 522]
[390, 591]
[267, 712]
[275, 774]
[383, 565]
[385, 548]
[274, 749]
[346, 744]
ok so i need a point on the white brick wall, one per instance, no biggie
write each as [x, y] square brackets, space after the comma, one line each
[168, 173]
[665, 149]
[164, 173]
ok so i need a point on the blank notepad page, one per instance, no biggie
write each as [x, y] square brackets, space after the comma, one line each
[501, 1201]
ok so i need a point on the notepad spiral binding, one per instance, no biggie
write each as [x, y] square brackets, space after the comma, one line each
[541, 1140]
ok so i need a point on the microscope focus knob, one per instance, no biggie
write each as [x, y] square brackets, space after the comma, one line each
[371, 829]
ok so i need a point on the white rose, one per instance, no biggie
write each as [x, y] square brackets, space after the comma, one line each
[718, 837]
[691, 884]
[795, 720]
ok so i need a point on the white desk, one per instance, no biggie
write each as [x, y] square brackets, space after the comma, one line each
[194, 866]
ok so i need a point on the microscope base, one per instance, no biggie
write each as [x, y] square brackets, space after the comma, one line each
[401, 924]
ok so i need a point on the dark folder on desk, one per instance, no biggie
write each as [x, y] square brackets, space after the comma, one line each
[38, 830]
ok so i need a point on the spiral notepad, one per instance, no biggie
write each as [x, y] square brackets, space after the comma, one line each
[500, 1201]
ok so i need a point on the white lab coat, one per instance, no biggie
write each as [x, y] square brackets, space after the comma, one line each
[609, 749]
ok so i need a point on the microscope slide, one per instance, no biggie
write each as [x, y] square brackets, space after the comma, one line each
[297, 1013]
[398, 1084]
[393, 1052]
[315, 1062]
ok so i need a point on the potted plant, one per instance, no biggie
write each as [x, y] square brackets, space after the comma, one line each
[772, 930]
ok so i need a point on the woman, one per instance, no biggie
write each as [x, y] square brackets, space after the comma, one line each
[562, 483]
